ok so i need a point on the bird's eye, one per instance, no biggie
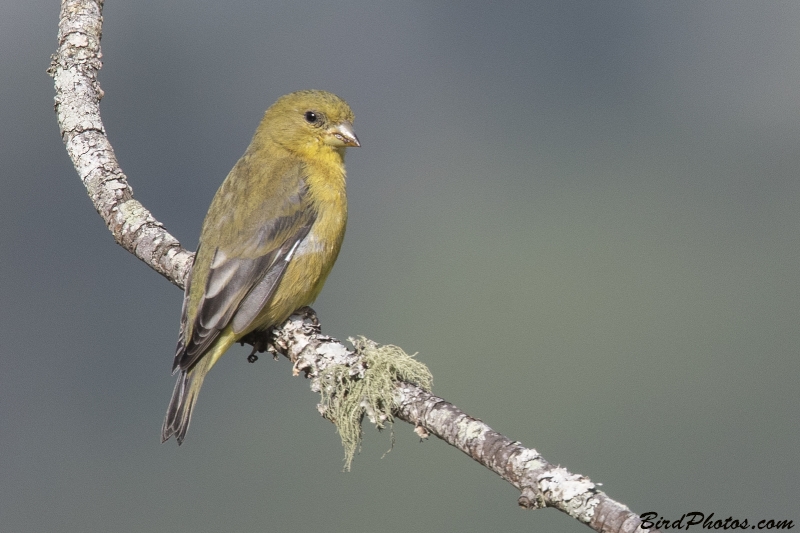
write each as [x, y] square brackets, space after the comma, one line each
[311, 117]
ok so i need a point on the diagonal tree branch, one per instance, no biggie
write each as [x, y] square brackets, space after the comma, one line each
[74, 68]
[541, 483]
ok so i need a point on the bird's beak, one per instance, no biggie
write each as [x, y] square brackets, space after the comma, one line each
[342, 134]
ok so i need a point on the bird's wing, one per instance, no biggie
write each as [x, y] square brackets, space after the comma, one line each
[242, 278]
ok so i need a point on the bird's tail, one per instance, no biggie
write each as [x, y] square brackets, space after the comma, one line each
[179, 412]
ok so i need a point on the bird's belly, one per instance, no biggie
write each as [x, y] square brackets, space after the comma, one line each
[301, 282]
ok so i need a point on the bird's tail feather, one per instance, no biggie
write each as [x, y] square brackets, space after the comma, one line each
[184, 396]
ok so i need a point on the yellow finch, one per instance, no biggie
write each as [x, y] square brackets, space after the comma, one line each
[269, 240]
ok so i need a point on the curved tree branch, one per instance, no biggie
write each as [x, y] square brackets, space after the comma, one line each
[74, 68]
[77, 104]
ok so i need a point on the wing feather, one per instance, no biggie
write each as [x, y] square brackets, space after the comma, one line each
[242, 279]
[258, 297]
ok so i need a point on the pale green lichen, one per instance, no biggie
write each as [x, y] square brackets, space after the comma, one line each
[347, 398]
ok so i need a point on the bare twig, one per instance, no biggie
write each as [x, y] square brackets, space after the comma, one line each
[74, 68]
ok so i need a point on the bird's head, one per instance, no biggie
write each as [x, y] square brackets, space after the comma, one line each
[310, 121]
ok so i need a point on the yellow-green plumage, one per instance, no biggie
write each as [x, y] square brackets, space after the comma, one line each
[269, 240]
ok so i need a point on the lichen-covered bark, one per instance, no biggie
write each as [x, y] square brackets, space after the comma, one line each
[74, 68]
[541, 483]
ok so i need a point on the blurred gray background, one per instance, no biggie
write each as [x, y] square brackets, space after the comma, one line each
[584, 216]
